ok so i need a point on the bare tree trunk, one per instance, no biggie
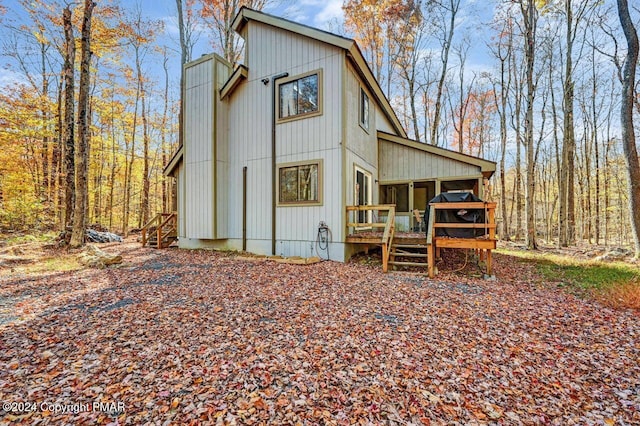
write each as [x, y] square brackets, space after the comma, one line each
[530, 19]
[183, 60]
[587, 165]
[517, 79]
[464, 97]
[626, 121]
[569, 142]
[47, 173]
[594, 117]
[58, 152]
[513, 201]
[144, 211]
[137, 49]
[82, 170]
[129, 167]
[606, 145]
[112, 173]
[518, 191]
[411, 82]
[446, 47]
[501, 107]
[503, 151]
[556, 146]
[97, 180]
[69, 117]
[163, 133]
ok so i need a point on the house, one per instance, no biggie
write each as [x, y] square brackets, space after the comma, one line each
[277, 148]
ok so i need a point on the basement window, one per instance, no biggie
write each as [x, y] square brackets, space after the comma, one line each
[300, 183]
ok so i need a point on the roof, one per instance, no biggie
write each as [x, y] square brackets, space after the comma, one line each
[486, 167]
[239, 74]
[175, 160]
[349, 45]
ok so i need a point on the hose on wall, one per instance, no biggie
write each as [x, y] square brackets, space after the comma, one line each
[323, 240]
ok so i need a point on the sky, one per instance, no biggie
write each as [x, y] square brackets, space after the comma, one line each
[329, 16]
[323, 14]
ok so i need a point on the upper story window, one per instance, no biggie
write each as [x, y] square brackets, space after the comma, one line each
[300, 96]
[364, 109]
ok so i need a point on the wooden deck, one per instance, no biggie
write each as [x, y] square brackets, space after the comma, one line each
[367, 237]
[411, 247]
[369, 231]
[483, 244]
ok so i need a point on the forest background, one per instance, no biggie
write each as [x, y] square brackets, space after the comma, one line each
[89, 103]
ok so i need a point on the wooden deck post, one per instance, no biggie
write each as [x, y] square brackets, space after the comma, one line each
[489, 268]
[492, 236]
[385, 262]
[431, 258]
[431, 242]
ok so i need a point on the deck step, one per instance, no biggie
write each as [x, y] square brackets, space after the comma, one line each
[410, 246]
[407, 263]
[396, 254]
[166, 242]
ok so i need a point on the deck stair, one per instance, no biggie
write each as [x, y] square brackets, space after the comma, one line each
[166, 241]
[409, 254]
[161, 231]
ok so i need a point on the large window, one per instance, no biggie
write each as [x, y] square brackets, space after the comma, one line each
[299, 96]
[299, 183]
[364, 109]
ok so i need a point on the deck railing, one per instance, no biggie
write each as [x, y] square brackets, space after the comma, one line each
[163, 224]
[388, 226]
[486, 243]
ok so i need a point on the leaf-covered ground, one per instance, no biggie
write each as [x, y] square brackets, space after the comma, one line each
[190, 337]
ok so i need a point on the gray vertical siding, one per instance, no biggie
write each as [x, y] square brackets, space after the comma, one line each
[198, 152]
[399, 162]
[270, 52]
[221, 171]
[361, 144]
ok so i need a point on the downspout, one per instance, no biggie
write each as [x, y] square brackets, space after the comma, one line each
[244, 208]
[273, 160]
